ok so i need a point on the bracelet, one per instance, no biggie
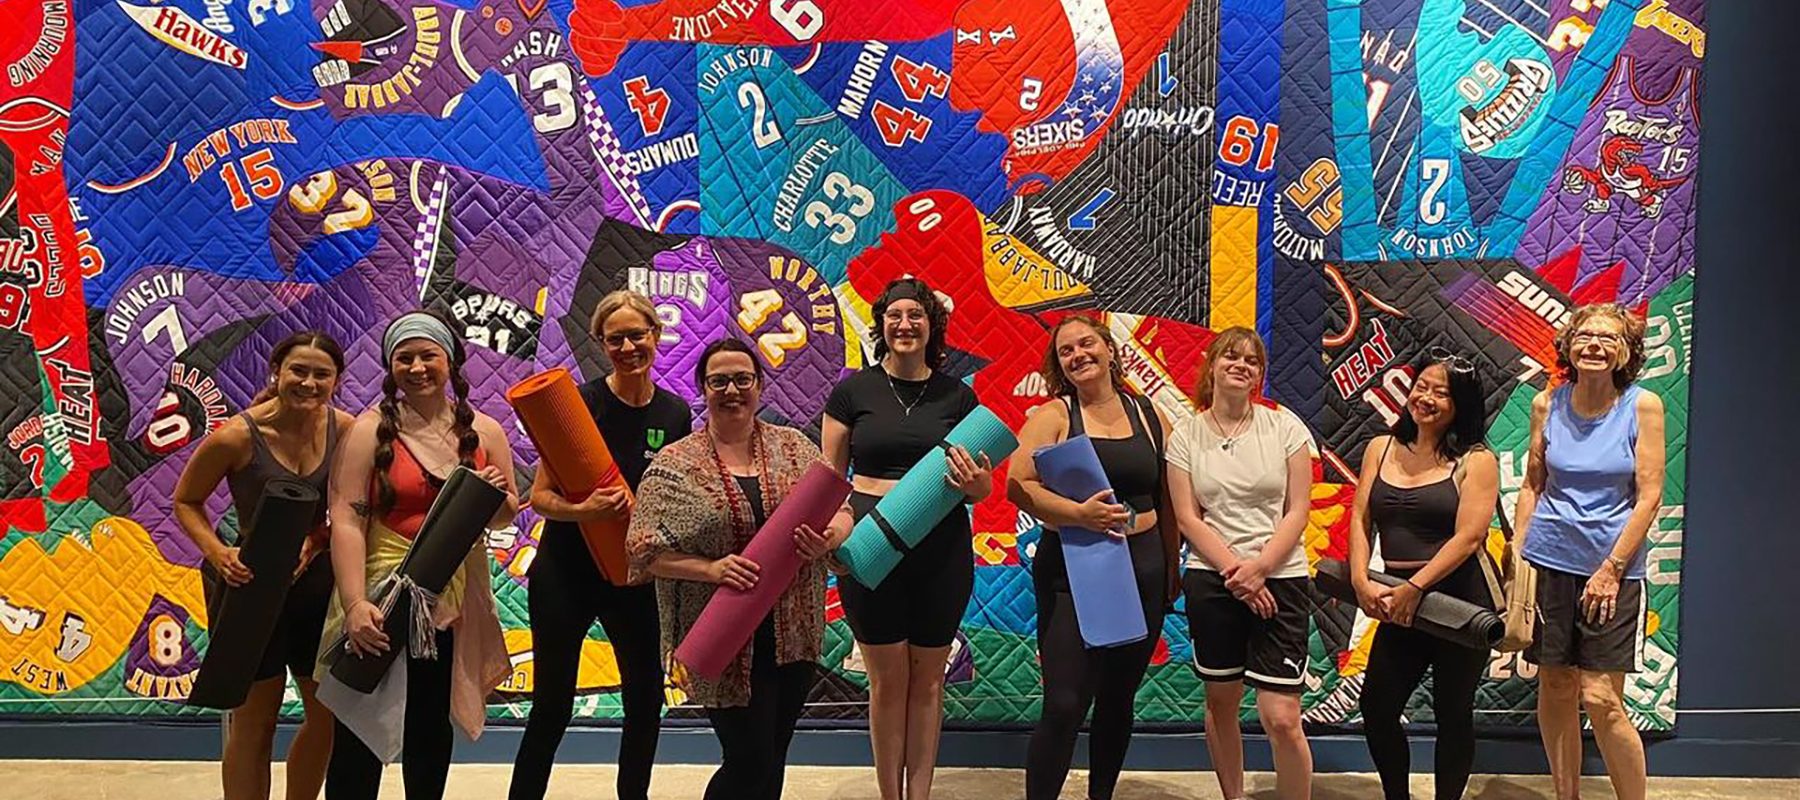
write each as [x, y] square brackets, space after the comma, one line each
[1420, 589]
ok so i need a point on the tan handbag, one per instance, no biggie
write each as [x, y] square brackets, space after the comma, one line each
[1520, 592]
[1512, 585]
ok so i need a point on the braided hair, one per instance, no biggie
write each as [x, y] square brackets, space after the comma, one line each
[462, 422]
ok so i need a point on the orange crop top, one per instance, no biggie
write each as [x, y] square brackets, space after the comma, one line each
[414, 490]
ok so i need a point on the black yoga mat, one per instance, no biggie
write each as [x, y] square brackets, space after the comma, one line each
[456, 521]
[1452, 619]
[246, 615]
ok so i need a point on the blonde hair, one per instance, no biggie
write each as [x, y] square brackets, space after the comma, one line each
[1238, 339]
[1628, 363]
[1052, 368]
[624, 300]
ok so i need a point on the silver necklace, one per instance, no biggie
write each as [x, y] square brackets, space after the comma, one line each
[1228, 440]
[904, 406]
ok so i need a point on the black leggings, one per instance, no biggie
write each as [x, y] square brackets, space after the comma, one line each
[1076, 676]
[355, 772]
[1397, 663]
[754, 739]
[567, 593]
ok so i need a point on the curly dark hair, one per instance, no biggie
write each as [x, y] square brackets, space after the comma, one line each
[936, 313]
[1628, 363]
[462, 421]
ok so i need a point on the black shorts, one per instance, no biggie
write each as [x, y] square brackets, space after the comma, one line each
[922, 601]
[1564, 637]
[294, 644]
[1232, 643]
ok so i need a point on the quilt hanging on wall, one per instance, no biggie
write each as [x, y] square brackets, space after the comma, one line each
[184, 182]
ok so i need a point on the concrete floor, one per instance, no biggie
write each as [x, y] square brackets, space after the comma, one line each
[166, 780]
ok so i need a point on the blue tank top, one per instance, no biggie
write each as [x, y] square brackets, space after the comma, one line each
[1590, 486]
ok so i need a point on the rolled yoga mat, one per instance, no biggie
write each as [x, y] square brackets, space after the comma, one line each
[457, 520]
[550, 407]
[1101, 578]
[920, 499]
[731, 616]
[240, 631]
[1452, 619]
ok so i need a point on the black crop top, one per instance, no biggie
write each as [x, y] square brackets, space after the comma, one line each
[1132, 464]
[1413, 522]
[885, 439]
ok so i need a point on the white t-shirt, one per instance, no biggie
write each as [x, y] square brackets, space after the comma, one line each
[1242, 490]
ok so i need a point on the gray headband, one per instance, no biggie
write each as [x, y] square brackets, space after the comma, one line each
[417, 325]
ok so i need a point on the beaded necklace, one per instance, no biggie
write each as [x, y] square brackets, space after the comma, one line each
[733, 492]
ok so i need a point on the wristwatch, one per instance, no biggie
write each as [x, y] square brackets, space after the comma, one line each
[1618, 564]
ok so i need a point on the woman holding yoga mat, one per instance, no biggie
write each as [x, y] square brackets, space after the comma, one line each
[701, 501]
[1082, 368]
[1593, 484]
[289, 430]
[1428, 490]
[877, 424]
[567, 592]
[393, 462]
[1240, 481]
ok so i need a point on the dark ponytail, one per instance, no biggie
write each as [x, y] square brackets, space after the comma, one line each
[315, 339]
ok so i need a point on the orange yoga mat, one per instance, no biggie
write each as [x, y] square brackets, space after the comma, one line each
[569, 445]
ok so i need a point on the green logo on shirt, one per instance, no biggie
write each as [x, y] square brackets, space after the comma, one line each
[655, 437]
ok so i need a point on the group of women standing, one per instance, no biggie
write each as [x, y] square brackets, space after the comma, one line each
[1232, 483]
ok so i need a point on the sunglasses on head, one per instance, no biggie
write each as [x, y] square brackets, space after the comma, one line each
[1451, 361]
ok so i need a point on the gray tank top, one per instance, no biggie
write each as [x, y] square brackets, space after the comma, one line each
[247, 484]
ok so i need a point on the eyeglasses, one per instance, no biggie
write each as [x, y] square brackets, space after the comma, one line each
[1603, 337]
[637, 337]
[720, 382]
[1451, 361]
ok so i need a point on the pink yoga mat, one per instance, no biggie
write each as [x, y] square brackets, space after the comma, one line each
[729, 619]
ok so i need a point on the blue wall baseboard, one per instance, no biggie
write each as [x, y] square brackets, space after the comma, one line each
[193, 741]
[1739, 649]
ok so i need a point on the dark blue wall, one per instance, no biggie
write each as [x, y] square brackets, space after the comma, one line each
[1740, 645]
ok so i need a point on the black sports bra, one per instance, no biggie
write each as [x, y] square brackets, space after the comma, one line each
[1413, 522]
[1133, 465]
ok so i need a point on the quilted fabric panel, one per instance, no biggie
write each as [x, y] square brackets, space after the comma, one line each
[183, 183]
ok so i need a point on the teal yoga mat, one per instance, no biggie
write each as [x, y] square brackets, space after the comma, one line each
[920, 500]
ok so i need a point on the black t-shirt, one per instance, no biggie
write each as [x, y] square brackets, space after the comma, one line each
[885, 440]
[751, 486]
[632, 434]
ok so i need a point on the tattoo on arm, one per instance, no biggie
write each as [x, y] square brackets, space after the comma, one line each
[361, 507]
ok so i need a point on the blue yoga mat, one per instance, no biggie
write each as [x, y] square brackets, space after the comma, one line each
[920, 500]
[1100, 575]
